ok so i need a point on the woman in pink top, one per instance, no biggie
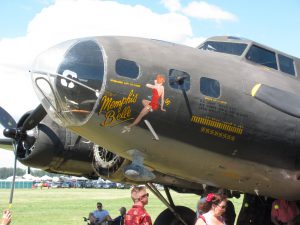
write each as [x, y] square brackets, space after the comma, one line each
[214, 207]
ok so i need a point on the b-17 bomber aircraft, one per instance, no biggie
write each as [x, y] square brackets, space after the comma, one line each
[143, 111]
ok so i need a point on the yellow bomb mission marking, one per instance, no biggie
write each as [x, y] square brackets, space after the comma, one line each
[216, 124]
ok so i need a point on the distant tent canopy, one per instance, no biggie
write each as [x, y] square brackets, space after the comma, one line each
[46, 178]
[29, 177]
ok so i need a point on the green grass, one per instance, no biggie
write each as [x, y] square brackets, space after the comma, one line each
[68, 206]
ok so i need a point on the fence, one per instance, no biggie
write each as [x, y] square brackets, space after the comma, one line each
[18, 184]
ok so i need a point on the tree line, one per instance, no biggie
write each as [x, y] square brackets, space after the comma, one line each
[6, 172]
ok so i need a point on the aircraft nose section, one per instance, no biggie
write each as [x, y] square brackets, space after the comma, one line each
[68, 79]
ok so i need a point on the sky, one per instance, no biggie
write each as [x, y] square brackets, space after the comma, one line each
[28, 27]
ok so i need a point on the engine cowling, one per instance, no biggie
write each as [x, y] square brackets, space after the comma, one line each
[53, 148]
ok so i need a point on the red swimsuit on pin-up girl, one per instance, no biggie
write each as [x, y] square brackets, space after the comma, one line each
[154, 101]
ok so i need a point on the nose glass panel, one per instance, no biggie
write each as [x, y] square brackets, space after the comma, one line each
[70, 93]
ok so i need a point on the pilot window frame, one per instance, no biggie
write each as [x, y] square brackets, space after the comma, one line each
[283, 68]
[207, 91]
[179, 84]
[231, 48]
[125, 73]
[256, 51]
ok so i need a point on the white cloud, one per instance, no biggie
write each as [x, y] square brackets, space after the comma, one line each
[195, 41]
[9, 160]
[67, 19]
[172, 5]
[202, 10]
[17, 94]
[73, 19]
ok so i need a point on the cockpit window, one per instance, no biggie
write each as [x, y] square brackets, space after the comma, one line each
[224, 47]
[127, 68]
[286, 64]
[82, 64]
[69, 92]
[84, 59]
[262, 56]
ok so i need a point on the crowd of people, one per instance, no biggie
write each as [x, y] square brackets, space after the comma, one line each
[217, 209]
[212, 209]
[137, 215]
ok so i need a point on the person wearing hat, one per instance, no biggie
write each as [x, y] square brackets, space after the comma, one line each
[120, 219]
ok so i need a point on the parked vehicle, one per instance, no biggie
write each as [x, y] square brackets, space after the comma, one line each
[123, 186]
[56, 184]
[65, 185]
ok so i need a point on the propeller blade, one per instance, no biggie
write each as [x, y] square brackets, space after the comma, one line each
[14, 179]
[11, 131]
[6, 120]
[34, 118]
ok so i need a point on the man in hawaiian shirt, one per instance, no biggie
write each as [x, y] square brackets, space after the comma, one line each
[138, 215]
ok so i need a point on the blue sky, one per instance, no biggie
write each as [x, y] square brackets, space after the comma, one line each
[271, 22]
[15, 16]
[28, 27]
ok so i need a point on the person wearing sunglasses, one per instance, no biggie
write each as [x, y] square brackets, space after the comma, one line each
[214, 208]
[99, 216]
[229, 214]
[138, 215]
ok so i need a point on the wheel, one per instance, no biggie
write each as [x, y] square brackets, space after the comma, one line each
[105, 162]
[166, 217]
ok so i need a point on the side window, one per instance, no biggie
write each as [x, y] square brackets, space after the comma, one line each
[127, 68]
[209, 87]
[262, 56]
[179, 80]
[286, 65]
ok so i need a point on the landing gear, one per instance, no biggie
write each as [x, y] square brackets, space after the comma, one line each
[173, 215]
[168, 218]
[255, 210]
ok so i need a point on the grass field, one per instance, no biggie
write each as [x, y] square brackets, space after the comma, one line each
[68, 206]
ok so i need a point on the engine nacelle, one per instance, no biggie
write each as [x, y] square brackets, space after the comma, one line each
[53, 148]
